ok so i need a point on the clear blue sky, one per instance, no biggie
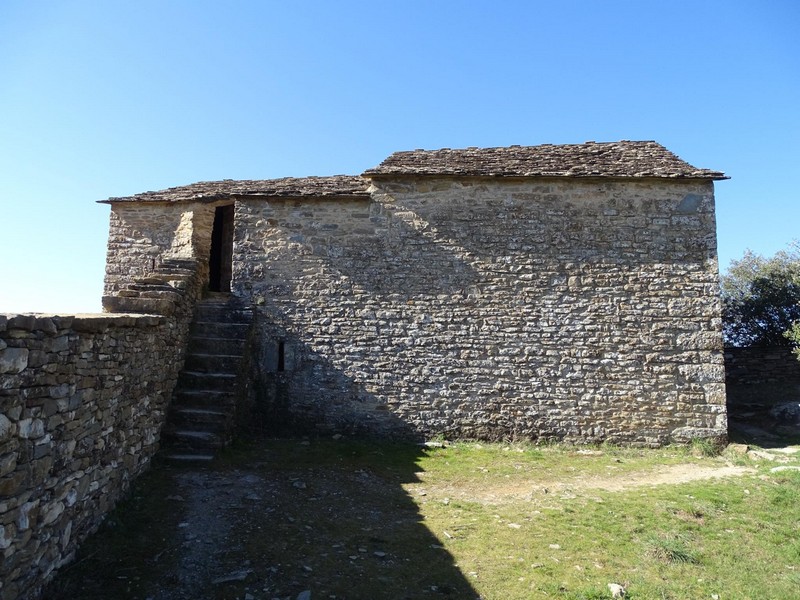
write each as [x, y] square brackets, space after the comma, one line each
[109, 98]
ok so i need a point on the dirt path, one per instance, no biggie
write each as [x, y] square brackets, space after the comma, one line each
[528, 488]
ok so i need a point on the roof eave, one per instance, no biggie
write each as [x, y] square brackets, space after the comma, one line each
[374, 175]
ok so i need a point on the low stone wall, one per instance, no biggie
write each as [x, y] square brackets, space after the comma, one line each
[754, 365]
[82, 403]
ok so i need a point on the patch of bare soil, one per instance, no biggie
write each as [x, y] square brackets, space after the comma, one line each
[528, 488]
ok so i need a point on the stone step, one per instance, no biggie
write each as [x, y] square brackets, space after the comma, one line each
[174, 261]
[222, 313]
[209, 345]
[163, 294]
[221, 330]
[175, 271]
[138, 305]
[201, 419]
[213, 363]
[187, 458]
[192, 439]
[149, 287]
[213, 399]
[153, 279]
[206, 382]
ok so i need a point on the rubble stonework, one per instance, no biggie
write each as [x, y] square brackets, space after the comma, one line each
[545, 309]
[546, 292]
[82, 407]
[761, 364]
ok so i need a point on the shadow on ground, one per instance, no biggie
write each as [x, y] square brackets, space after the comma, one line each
[272, 519]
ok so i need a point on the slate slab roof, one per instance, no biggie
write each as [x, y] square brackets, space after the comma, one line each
[287, 187]
[592, 159]
[623, 159]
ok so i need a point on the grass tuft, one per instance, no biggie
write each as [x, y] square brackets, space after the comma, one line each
[706, 448]
[670, 548]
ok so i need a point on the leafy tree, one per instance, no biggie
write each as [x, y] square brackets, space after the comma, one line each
[793, 335]
[761, 299]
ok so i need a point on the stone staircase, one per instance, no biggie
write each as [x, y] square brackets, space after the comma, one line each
[202, 415]
[157, 293]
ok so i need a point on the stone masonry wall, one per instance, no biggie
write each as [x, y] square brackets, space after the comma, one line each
[755, 365]
[140, 236]
[83, 402]
[583, 310]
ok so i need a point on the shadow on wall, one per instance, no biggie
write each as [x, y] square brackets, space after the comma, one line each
[528, 315]
[295, 390]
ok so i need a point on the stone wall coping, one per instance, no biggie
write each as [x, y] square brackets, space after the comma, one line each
[52, 323]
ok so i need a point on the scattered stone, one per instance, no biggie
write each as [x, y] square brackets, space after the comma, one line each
[740, 449]
[379, 554]
[783, 468]
[617, 591]
[514, 525]
[234, 576]
[761, 455]
[337, 436]
[433, 444]
[300, 485]
[304, 595]
[555, 547]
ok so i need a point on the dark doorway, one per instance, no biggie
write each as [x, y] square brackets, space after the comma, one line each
[221, 259]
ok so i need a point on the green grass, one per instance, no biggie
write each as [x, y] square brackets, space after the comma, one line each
[501, 521]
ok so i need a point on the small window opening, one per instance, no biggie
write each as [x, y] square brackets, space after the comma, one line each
[281, 355]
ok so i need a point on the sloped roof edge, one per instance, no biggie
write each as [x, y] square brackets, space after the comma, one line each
[286, 187]
[623, 159]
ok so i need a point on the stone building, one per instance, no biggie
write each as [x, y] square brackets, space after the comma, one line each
[547, 292]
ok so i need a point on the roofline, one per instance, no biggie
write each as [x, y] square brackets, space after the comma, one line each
[220, 198]
[400, 175]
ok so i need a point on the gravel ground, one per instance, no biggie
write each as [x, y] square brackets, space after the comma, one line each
[261, 527]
